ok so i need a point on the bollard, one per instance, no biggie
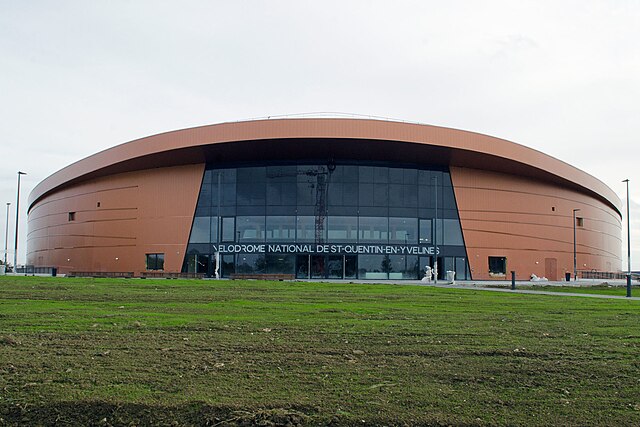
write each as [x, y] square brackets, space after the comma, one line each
[628, 286]
[513, 280]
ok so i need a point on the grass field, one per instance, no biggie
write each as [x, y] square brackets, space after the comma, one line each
[171, 352]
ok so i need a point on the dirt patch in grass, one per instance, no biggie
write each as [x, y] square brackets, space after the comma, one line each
[195, 414]
[8, 340]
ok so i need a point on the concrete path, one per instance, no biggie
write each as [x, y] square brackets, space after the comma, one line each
[505, 286]
[532, 291]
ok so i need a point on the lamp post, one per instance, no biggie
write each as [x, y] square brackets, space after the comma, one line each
[15, 254]
[435, 236]
[628, 244]
[575, 259]
[6, 235]
[218, 226]
[406, 237]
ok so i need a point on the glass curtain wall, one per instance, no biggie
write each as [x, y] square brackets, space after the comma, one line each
[315, 220]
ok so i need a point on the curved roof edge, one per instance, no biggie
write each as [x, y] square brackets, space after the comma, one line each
[197, 138]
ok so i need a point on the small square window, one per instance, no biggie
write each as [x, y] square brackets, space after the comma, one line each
[579, 221]
[497, 266]
[72, 216]
[98, 204]
[154, 261]
[553, 208]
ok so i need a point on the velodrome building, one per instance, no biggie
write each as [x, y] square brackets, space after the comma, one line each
[316, 198]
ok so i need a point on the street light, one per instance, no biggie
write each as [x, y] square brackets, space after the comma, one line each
[6, 235]
[218, 226]
[575, 263]
[435, 237]
[406, 237]
[628, 244]
[15, 254]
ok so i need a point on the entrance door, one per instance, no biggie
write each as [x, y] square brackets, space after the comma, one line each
[441, 271]
[551, 268]
[326, 266]
[350, 266]
[302, 266]
[335, 267]
[318, 266]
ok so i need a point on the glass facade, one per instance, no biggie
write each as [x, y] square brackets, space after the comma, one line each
[338, 221]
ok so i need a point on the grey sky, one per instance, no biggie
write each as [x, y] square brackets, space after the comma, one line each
[80, 76]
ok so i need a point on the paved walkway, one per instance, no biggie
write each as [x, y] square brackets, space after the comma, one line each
[533, 291]
[505, 286]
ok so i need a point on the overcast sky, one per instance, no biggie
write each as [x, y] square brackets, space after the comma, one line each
[80, 76]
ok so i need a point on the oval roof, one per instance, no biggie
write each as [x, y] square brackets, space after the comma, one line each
[337, 136]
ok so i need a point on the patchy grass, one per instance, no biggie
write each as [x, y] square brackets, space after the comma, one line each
[139, 352]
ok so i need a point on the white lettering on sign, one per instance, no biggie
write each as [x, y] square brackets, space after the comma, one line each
[324, 249]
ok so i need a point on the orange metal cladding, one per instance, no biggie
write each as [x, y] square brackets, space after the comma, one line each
[504, 192]
[117, 220]
[531, 224]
